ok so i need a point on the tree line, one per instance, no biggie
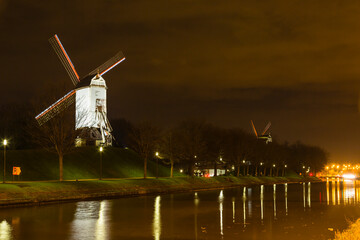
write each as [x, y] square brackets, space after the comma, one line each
[193, 144]
[190, 145]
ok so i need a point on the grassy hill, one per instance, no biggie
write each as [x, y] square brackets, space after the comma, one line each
[83, 163]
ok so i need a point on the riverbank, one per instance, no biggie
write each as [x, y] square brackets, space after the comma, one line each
[352, 233]
[36, 193]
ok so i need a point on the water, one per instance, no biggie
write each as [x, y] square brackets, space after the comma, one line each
[282, 211]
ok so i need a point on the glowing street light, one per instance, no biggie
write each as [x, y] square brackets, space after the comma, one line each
[4, 143]
[285, 166]
[157, 164]
[101, 150]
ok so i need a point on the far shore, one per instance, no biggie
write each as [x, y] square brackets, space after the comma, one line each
[47, 192]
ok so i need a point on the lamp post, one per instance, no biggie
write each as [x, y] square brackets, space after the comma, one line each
[157, 164]
[101, 150]
[5, 143]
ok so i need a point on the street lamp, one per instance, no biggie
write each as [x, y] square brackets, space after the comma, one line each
[157, 164]
[101, 150]
[4, 143]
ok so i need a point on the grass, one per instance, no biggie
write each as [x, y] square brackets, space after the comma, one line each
[352, 233]
[35, 192]
[83, 163]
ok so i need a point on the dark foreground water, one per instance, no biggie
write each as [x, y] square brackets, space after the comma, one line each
[282, 211]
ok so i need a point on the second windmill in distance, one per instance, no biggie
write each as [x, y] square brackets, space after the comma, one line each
[266, 137]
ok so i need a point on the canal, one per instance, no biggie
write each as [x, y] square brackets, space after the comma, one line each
[281, 211]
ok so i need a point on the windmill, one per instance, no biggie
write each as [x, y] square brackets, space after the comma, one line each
[89, 95]
[266, 137]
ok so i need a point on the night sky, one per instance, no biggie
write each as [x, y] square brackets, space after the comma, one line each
[294, 63]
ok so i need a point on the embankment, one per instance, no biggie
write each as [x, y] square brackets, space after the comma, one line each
[34, 193]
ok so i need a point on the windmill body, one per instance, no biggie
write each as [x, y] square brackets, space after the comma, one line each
[89, 96]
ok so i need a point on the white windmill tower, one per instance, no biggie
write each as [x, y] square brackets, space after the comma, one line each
[89, 96]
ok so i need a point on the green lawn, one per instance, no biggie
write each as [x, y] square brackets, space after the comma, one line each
[83, 163]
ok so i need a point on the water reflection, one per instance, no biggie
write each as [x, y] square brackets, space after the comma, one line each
[244, 206]
[309, 194]
[233, 208]
[5, 231]
[262, 202]
[221, 200]
[157, 219]
[184, 216]
[85, 219]
[196, 203]
[101, 230]
[249, 202]
[286, 200]
[327, 192]
[304, 195]
[274, 197]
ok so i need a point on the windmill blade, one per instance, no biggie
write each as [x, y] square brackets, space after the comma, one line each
[56, 108]
[64, 58]
[266, 128]
[254, 129]
[109, 64]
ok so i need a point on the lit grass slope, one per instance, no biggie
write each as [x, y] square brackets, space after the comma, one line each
[83, 163]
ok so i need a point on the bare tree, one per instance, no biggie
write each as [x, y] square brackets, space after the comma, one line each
[144, 138]
[58, 134]
[191, 142]
[169, 147]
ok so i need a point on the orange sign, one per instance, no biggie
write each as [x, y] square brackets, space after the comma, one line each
[16, 170]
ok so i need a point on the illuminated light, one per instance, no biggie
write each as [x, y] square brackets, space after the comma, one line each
[233, 167]
[243, 161]
[349, 176]
[5, 142]
[157, 154]
[303, 166]
[261, 164]
[66, 55]
[337, 166]
[181, 170]
[101, 149]
[274, 165]
[112, 66]
[195, 156]
[327, 168]
[311, 174]
[285, 166]
[220, 158]
[333, 166]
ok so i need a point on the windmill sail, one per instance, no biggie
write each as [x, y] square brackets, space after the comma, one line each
[254, 129]
[109, 64]
[64, 58]
[56, 108]
[266, 128]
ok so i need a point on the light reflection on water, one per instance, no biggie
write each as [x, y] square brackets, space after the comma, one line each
[243, 213]
[157, 219]
[5, 230]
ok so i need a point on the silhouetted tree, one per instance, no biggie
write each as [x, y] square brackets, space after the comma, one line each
[144, 138]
